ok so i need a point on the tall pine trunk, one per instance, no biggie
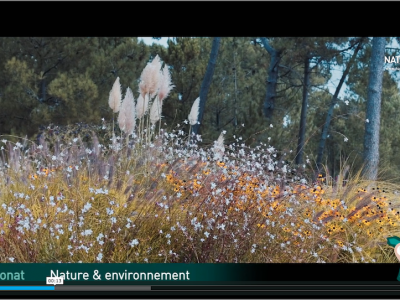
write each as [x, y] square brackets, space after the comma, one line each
[303, 117]
[325, 130]
[371, 137]
[269, 102]
[205, 86]
[42, 90]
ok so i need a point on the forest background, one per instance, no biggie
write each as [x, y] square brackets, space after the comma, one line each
[67, 80]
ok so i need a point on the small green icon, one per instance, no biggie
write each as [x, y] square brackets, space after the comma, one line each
[393, 241]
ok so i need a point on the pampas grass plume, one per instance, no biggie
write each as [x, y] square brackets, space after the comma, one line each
[150, 77]
[155, 111]
[220, 142]
[126, 117]
[165, 83]
[142, 106]
[142, 88]
[114, 99]
[194, 112]
[155, 75]
[156, 63]
[219, 147]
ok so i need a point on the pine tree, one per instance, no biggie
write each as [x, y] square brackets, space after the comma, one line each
[63, 80]
[373, 114]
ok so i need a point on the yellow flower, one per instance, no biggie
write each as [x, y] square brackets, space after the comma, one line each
[220, 164]
[333, 227]
[366, 222]
[206, 172]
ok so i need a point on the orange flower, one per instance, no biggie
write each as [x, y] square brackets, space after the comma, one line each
[366, 222]
[32, 177]
[220, 164]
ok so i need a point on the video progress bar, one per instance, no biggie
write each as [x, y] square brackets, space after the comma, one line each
[27, 288]
[204, 288]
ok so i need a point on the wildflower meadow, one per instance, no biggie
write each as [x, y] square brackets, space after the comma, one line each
[127, 190]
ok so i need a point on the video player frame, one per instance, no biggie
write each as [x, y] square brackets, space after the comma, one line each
[191, 167]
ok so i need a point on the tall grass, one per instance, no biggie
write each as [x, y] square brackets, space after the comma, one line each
[80, 195]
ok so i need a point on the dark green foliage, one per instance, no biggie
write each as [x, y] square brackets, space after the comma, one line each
[64, 81]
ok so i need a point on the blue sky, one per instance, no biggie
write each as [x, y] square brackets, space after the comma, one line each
[149, 41]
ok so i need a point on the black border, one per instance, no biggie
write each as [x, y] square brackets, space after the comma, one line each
[216, 18]
[199, 18]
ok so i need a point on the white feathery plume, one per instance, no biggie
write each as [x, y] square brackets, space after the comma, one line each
[114, 99]
[126, 117]
[219, 147]
[156, 76]
[142, 87]
[165, 83]
[153, 85]
[220, 142]
[194, 112]
[121, 117]
[145, 79]
[142, 106]
[155, 111]
[150, 77]
[156, 63]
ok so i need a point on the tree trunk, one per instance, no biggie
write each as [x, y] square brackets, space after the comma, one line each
[371, 137]
[205, 86]
[272, 79]
[325, 129]
[42, 91]
[303, 117]
[332, 155]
